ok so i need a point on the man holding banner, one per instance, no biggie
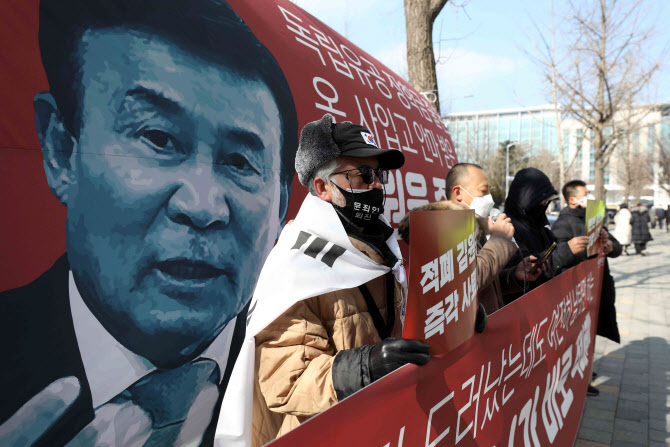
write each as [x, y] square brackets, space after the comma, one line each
[327, 307]
[572, 223]
[467, 187]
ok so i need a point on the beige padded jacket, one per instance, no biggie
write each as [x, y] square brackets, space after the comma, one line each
[294, 354]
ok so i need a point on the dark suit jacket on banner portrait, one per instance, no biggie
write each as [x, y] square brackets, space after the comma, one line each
[39, 320]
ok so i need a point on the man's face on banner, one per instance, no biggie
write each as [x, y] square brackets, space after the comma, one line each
[176, 191]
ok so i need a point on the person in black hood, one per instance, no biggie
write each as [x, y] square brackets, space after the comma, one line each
[529, 196]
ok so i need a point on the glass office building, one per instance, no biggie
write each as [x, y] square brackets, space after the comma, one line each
[477, 136]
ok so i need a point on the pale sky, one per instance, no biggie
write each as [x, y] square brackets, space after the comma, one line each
[482, 64]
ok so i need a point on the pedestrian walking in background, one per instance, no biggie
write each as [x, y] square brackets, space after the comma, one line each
[652, 216]
[660, 215]
[667, 218]
[640, 222]
[623, 232]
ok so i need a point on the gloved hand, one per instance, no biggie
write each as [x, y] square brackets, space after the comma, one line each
[356, 368]
[393, 353]
[480, 322]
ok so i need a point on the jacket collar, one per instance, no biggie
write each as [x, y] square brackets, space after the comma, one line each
[577, 212]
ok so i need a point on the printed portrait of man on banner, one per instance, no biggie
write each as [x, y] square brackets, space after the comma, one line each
[169, 133]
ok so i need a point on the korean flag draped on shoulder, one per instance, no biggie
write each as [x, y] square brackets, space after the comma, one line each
[313, 256]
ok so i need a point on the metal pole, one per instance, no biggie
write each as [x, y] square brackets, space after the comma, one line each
[507, 168]
[507, 172]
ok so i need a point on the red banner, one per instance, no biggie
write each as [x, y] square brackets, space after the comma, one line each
[442, 295]
[147, 152]
[520, 383]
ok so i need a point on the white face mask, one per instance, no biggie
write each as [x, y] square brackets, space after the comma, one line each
[582, 202]
[482, 205]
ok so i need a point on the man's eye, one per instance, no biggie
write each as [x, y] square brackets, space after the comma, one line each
[160, 141]
[240, 163]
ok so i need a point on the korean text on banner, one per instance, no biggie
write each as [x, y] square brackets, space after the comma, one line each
[522, 382]
[595, 216]
[442, 295]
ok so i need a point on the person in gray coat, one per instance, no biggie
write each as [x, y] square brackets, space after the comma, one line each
[640, 222]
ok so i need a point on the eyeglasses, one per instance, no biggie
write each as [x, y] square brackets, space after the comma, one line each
[368, 174]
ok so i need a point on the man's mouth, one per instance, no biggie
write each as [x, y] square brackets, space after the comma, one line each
[186, 269]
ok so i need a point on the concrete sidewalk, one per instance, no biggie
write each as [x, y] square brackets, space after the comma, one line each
[633, 408]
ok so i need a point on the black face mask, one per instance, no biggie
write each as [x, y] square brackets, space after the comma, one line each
[362, 208]
[537, 213]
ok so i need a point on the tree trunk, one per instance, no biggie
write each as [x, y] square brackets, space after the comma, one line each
[599, 166]
[419, 18]
[554, 96]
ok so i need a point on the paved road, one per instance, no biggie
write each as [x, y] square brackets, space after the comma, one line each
[633, 408]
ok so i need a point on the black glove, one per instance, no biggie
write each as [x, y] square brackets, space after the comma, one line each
[393, 353]
[356, 368]
[480, 322]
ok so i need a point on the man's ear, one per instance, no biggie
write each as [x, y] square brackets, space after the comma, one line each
[57, 146]
[322, 189]
[456, 193]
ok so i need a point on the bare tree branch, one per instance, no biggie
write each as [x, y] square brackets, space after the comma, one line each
[600, 71]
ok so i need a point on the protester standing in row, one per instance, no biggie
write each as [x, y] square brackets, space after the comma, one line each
[660, 216]
[529, 196]
[339, 313]
[467, 187]
[640, 222]
[572, 223]
[622, 228]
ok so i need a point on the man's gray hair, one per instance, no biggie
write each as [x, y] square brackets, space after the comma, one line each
[324, 171]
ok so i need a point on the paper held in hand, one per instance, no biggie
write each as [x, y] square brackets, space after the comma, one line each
[595, 217]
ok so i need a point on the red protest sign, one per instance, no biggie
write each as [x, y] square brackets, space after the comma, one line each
[522, 382]
[442, 295]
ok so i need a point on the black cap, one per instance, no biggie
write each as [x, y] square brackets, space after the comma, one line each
[355, 140]
[324, 140]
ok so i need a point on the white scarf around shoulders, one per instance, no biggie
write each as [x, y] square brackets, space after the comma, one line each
[313, 256]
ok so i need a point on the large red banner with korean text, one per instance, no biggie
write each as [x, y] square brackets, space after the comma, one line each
[520, 383]
[442, 295]
[147, 152]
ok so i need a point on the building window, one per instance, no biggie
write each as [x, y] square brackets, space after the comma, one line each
[578, 158]
[651, 141]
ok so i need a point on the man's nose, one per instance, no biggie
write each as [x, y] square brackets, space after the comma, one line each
[200, 200]
[376, 184]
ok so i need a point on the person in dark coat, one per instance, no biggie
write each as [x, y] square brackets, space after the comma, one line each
[640, 222]
[529, 196]
[660, 216]
[571, 223]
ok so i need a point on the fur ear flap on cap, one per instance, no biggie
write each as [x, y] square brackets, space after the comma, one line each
[316, 147]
